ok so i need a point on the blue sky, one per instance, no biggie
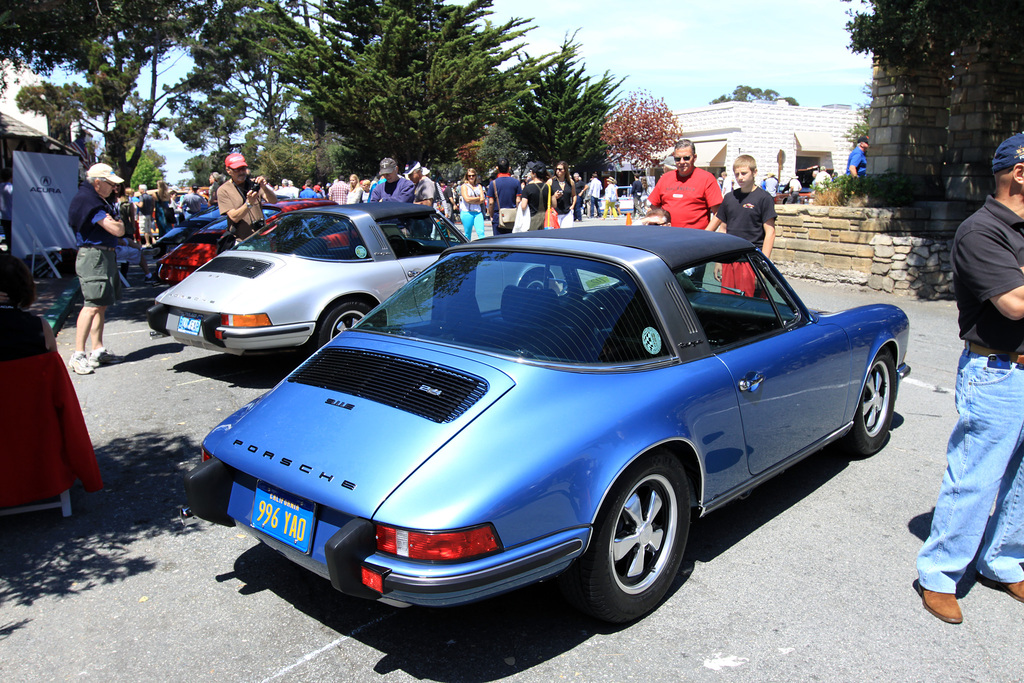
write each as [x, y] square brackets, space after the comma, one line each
[691, 52]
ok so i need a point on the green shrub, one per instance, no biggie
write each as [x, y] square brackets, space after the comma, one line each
[888, 189]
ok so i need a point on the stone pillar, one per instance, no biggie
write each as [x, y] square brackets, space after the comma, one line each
[908, 127]
[985, 109]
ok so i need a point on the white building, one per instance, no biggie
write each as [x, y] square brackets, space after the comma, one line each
[783, 139]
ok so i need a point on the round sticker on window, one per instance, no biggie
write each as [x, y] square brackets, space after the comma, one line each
[360, 251]
[652, 341]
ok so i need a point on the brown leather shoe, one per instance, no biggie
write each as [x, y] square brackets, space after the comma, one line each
[1016, 590]
[940, 605]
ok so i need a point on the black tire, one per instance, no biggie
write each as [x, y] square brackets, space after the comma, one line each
[638, 542]
[873, 418]
[339, 317]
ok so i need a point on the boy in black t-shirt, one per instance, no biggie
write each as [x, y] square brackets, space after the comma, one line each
[747, 212]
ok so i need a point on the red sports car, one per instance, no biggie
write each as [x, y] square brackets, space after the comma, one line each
[201, 247]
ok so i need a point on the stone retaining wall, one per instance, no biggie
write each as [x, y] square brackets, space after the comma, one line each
[903, 250]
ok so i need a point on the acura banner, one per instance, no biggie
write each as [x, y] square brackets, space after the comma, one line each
[44, 185]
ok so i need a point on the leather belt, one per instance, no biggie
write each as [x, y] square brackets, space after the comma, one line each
[93, 246]
[985, 351]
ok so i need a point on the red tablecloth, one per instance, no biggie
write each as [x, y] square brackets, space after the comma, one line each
[44, 443]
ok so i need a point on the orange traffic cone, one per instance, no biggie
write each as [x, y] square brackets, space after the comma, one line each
[629, 218]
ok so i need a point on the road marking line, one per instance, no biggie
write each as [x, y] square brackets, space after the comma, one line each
[925, 385]
[316, 653]
[210, 379]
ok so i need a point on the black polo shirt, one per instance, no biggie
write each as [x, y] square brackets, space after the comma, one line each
[987, 255]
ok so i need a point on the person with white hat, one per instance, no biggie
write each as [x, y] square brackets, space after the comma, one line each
[97, 224]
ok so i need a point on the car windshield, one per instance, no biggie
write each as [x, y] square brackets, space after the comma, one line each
[543, 307]
[331, 237]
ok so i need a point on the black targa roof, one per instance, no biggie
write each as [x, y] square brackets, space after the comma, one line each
[378, 210]
[675, 246]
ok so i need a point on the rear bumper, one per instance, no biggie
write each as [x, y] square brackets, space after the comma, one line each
[214, 337]
[342, 546]
[903, 371]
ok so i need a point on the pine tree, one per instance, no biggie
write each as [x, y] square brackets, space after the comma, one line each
[409, 79]
[562, 115]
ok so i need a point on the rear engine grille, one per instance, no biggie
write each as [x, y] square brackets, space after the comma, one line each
[434, 392]
[243, 267]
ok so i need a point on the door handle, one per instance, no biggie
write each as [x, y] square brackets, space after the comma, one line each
[751, 382]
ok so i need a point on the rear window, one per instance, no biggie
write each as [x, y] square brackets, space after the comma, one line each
[542, 307]
[331, 237]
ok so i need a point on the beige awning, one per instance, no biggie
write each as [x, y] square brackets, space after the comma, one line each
[709, 153]
[814, 142]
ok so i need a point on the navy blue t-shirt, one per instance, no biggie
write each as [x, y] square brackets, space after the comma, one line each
[507, 189]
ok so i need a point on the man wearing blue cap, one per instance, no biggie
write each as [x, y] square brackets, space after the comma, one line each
[986, 447]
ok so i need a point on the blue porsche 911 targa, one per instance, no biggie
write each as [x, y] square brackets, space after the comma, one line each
[548, 404]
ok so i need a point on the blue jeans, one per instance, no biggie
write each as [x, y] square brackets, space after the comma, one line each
[984, 466]
[595, 207]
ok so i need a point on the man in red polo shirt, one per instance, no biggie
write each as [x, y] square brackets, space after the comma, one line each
[691, 195]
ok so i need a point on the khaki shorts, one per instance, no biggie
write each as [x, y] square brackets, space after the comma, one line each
[97, 275]
[146, 225]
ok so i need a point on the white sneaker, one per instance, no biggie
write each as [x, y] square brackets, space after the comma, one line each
[80, 364]
[103, 357]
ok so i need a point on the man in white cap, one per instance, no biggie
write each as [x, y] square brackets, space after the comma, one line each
[424, 191]
[97, 226]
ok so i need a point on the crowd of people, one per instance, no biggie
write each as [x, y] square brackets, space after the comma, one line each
[976, 526]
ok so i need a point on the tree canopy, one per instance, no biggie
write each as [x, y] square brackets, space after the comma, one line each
[409, 79]
[561, 116]
[638, 128]
[911, 33]
[744, 93]
[44, 34]
[130, 38]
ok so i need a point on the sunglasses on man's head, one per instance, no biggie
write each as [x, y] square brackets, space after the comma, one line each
[685, 158]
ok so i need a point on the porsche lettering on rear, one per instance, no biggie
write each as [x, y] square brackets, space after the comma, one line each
[289, 462]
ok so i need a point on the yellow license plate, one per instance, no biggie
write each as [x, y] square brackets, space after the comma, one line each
[283, 516]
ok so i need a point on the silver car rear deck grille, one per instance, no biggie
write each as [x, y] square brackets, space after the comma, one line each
[243, 267]
[431, 391]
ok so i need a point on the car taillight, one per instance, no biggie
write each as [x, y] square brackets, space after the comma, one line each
[255, 320]
[206, 455]
[373, 577]
[437, 545]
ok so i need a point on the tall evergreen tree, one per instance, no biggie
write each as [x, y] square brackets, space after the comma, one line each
[409, 79]
[234, 86]
[562, 115]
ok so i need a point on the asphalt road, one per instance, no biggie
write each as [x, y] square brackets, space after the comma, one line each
[808, 579]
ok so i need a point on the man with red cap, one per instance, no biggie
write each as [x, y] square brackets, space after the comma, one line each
[241, 199]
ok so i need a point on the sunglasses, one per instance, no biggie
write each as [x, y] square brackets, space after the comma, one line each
[686, 158]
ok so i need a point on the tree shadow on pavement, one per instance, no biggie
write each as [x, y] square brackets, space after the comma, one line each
[484, 641]
[46, 555]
